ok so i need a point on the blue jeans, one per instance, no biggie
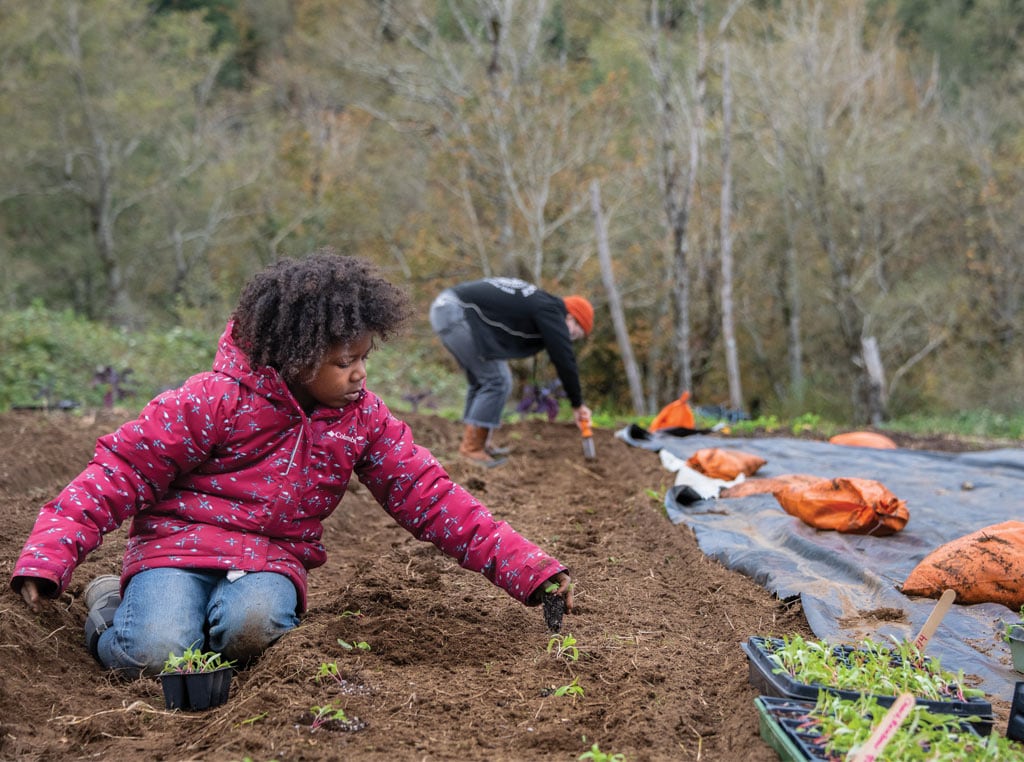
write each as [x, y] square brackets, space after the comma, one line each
[165, 611]
[490, 381]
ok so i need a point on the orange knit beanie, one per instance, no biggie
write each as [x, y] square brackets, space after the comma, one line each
[582, 310]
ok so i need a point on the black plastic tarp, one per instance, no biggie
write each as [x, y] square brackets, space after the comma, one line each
[849, 584]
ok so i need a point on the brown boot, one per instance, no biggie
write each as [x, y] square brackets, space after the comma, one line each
[474, 440]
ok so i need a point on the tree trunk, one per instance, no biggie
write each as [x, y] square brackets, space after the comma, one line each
[614, 301]
[725, 219]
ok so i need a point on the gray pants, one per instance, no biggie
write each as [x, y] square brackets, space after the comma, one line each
[490, 381]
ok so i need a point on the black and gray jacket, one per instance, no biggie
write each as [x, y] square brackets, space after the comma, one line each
[512, 319]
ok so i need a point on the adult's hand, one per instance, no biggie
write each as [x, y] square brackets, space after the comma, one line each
[581, 414]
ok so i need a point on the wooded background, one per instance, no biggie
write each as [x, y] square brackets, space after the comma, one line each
[802, 205]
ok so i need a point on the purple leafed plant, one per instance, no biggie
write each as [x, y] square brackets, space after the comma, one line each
[541, 399]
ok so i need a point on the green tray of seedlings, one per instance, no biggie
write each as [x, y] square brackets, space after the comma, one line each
[796, 668]
[830, 728]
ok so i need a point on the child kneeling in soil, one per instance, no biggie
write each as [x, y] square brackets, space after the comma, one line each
[228, 478]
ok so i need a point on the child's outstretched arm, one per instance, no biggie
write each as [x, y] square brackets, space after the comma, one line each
[418, 493]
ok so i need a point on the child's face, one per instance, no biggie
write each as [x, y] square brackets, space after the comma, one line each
[339, 379]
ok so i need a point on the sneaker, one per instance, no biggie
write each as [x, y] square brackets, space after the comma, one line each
[102, 597]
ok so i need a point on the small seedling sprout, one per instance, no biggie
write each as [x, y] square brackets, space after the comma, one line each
[596, 755]
[328, 671]
[362, 645]
[326, 713]
[564, 647]
[573, 689]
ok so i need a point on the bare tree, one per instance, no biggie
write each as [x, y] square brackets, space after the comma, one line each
[679, 108]
[732, 362]
[482, 90]
[851, 147]
[614, 300]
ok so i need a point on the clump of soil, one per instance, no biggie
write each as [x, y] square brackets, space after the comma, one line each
[456, 669]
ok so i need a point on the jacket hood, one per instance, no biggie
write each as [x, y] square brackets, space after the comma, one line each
[232, 361]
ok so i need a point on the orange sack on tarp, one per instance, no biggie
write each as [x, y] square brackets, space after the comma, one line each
[986, 566]
[724, 464]
[864, 439]
[767, 486]
[854, 506]
[676, 414]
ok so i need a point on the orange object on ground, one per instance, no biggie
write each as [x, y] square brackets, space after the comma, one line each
[724, 464]
[854, 506]
[767, 486]
[986, 566]
[864, 439]
[676, 414]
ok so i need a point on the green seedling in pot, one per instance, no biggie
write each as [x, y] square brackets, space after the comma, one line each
[194, 659]
[871, 668]
[844, 725]
[1008, 627]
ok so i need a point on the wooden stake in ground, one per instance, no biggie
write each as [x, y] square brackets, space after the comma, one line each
[933, 620]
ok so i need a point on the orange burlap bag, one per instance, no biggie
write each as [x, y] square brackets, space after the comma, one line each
[855, 506]
[767, 486]
[864, 439]
[676, 414]
[986, 566]
[724, 464]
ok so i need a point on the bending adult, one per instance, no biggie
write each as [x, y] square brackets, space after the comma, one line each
[484, 324]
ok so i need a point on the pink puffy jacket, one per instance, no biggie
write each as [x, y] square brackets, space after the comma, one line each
[228, 472]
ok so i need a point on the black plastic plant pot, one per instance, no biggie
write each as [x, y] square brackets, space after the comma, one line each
[781, 685]
[196, 691]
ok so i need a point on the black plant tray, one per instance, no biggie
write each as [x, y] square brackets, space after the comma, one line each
[783, 727]
[781, 685]
[196, 691]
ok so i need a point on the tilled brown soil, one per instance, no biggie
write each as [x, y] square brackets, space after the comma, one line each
[455, 669]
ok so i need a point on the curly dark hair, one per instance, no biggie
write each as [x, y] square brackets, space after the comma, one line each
[292, 313]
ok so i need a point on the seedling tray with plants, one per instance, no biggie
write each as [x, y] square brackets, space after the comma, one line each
[827, 730]
[798, 669]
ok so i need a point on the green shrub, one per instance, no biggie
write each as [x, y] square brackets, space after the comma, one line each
[58, 357]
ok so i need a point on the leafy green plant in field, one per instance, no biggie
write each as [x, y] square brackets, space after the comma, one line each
[51, 357]
[564, 647]
[254, 719]
[980, 423]
[573, 689]
[362, 645]
[329, 672]
[805, 422]
[762, 423]
[596, 755]
[326, 713]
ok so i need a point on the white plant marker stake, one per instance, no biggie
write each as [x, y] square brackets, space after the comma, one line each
[932, 623]
[871, 749]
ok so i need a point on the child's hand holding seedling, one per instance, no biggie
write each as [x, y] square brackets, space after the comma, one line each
[557, 599]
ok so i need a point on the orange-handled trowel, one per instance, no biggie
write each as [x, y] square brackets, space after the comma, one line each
[588, 439]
